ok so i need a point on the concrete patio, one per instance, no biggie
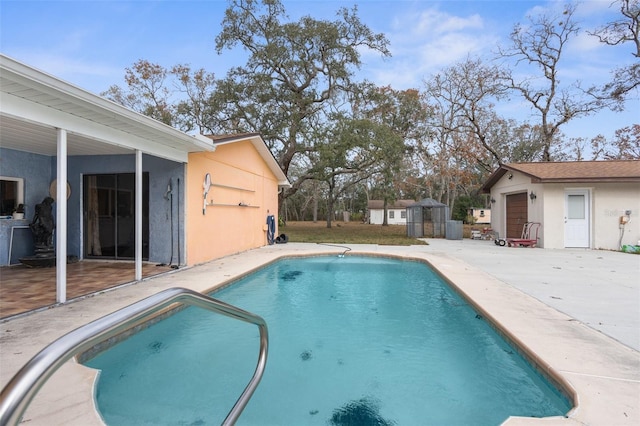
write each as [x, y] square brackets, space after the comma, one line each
[576, 313]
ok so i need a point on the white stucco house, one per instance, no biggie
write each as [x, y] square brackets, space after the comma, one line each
[580, 204]
[396, 212]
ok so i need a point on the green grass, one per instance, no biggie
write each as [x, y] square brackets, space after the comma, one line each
[348, 233]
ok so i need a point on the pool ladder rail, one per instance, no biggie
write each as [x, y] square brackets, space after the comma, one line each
[22, 388]
[347, 249]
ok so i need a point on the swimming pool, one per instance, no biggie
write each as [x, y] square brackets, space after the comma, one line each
[354, 337]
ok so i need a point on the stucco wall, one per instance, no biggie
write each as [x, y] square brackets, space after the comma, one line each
[239, 176]
[553, 212]
[609, 202]
[165, 212]
[37, 174]
[38, 171]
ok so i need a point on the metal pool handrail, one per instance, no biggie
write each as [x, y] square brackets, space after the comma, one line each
[18, 393]
[336, 245]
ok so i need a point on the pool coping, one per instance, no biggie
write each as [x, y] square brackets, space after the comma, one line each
[602, 374]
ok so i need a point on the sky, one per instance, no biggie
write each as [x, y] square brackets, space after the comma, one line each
[89, 43]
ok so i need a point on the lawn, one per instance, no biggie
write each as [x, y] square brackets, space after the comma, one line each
[348, 233]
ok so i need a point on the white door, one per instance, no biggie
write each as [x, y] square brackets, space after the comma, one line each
[576, 218]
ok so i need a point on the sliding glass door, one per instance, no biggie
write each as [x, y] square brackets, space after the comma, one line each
[109, 216]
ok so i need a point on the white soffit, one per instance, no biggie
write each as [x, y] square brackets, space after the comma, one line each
[33, 104]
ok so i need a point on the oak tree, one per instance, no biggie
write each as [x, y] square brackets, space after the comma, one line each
[626, 29]
[539, 47]
[294, 71]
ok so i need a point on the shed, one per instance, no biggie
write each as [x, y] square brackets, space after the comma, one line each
[427, 218]
[480, 215]
[396, 212]
[579, 204]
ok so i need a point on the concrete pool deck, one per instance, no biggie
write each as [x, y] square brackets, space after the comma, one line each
[576, 312]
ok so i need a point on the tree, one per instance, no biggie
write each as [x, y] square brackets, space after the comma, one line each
[540, 46]
[294, 71]
[178, 97]
[356, 150]
[195, 112]
[404, 114]
[624, 146]
[626, 29]
[148, 93]
[471, 88]
[467, 134]
[527, 144]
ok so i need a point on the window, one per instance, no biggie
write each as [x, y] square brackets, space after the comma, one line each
[576, 206]
[11, 194]
[403, 214]
[391, 214]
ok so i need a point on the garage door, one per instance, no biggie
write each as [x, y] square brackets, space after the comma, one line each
[516, 214]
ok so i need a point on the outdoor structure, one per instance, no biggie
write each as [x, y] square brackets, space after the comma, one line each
[230, 214]
[396, 212]
[580, 204]
[480, 215]
[427, 218]
[125, 186]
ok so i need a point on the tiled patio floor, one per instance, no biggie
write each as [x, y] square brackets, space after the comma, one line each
[23, 289]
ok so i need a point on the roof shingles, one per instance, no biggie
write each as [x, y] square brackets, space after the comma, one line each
[579, 170]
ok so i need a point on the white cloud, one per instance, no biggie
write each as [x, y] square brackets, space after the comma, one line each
[584, 42]
[86, 74]
[62, 65]
[74, 41]
[596, 8]
[434, 22]
[537, 10]
[425, 42]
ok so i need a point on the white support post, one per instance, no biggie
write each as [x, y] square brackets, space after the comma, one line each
[61, 217]
[138, 215]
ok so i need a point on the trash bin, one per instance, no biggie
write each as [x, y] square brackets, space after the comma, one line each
[453, 230]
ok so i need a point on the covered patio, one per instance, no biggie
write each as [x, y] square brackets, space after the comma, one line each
[56, 138]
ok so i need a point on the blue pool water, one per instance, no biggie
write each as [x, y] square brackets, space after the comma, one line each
[353, 340]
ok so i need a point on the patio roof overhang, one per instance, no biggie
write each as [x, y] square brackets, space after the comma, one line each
[34, 104]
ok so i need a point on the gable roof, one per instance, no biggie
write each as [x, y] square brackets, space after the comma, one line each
[428, 202]
[571, 172]
[398, 204]
[260, 146]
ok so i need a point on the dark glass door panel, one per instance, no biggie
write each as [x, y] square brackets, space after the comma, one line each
[109, 215]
